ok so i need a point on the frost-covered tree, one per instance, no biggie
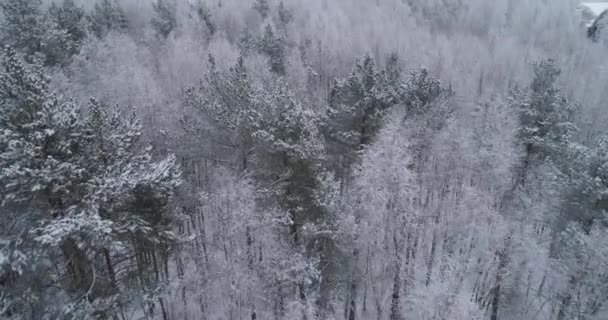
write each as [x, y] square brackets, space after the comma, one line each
[54, 36]
[90, 202]
[285, 15]
[270, 44]
[289, 154]
[358, 103]
[362, 99]
[275, 48]
[107, 16]
[226, 99]
[204, 15]
[22, 24]
[165, 19]
[311, 190]
[70, 17]
[546, 137]
[545, 115]
[262, 7]
[289, 150]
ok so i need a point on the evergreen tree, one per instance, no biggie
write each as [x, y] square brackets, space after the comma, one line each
[53, 37]
[579, 237]
[285, 16]
[227, 100]
[84, 191]
[262, 7]
[275, 48]
[586, 184]
[357, 104]
[204, 14]
[288, 154]
[22, 25]
[165, 19]
[394, 71]
[66, 30]
[107, 16]
[424, 94]
[247, 43]
[545, 116]
[71, 18]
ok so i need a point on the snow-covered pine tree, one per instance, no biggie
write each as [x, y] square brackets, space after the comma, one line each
[107, 16]
[279, 144]
[545, 135]
[288, 155]
[165, 19]
[225, 99]
[359, 102]
[274, 47]
[285, 15]
[580, 240]
[204, 15]
[545, 115]
[53, 37]
[70, 17]
[262, 7]
[22, 25]
[356, 107]
[90, 202]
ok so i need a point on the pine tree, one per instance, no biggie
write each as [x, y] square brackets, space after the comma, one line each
[23, 25]
[226, 99]
[357, 105]
[545, 116]
[204, 14]
[165, 19]
[53, 37]
[579, 236]
[586, 185]
[107, 16]
[285, 16]
[66, 32]
[84, 191]
[279, 142]
[70, 17]
[262, 7]
[288, 153]
[275, 48]
[393, 68]
[423, 93]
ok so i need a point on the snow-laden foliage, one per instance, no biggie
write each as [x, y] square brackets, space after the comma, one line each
[344, 159]
[85, 188]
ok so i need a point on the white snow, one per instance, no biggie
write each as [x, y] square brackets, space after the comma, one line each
[591, 10]
[595, 8]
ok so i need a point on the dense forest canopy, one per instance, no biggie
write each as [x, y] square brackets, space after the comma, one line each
[289, 159]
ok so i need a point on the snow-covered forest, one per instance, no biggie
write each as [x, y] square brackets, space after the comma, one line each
[303, 159]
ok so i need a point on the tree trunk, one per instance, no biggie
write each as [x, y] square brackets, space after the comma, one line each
[429, 270]
[503, 260]
[78, 267]
[353, 306]
[395, 307]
